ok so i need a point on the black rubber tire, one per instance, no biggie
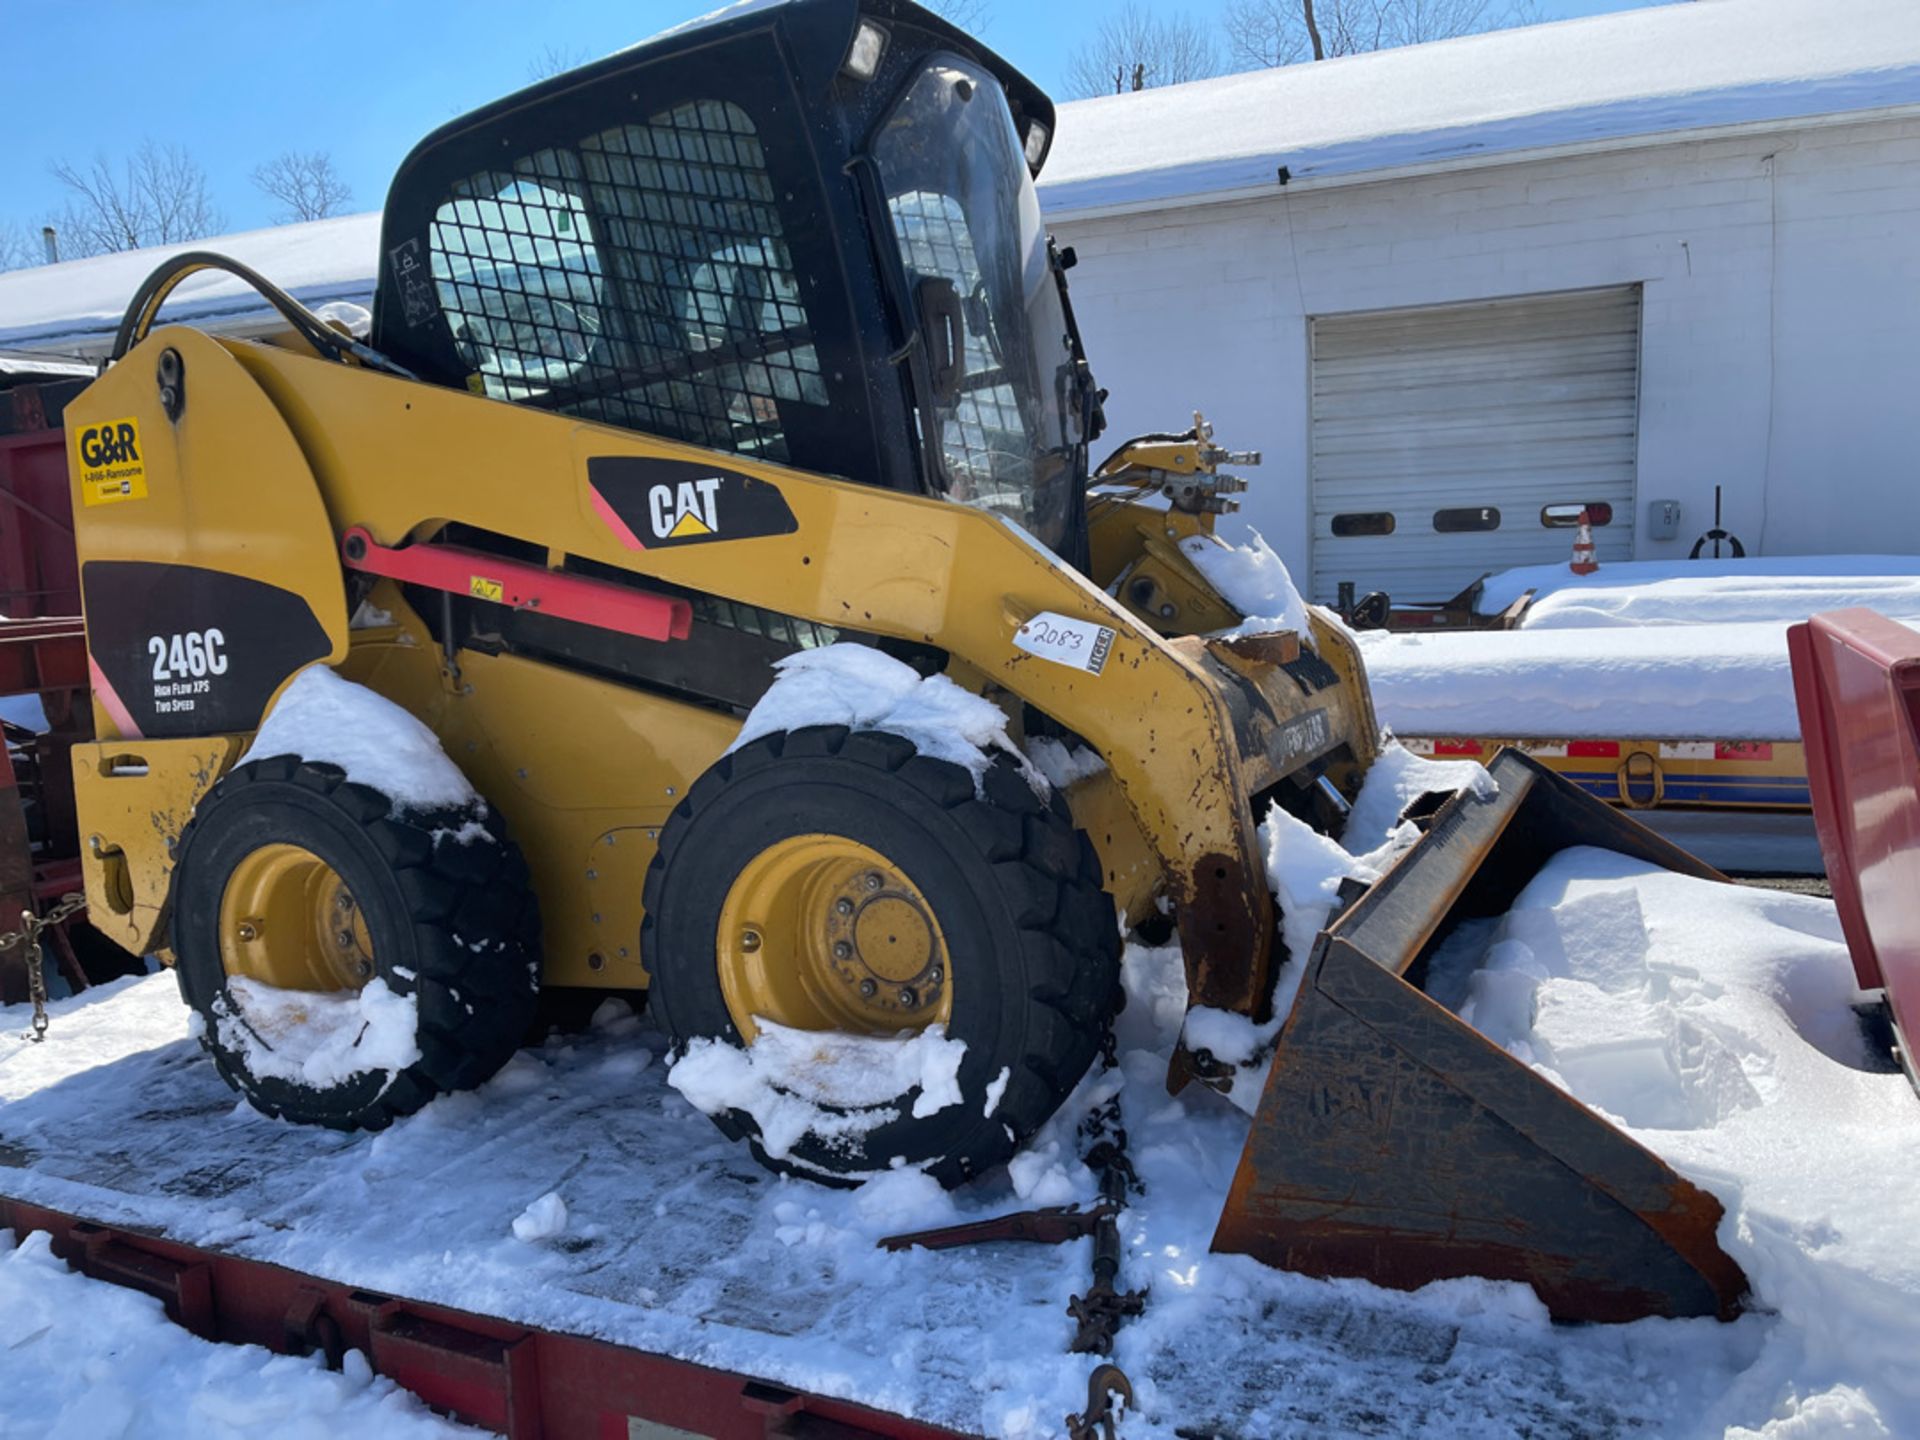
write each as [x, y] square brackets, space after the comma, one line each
[1016, 889]
[454, 924]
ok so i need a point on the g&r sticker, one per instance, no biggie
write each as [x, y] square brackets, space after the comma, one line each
[109, 462]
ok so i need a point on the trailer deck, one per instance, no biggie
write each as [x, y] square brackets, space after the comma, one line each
[679, 1248]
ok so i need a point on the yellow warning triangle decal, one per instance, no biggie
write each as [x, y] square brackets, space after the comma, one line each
[689, 524]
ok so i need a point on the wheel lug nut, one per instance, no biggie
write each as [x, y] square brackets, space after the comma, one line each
[365, 968]
[843, 906]
[874, 881]
[842, 950]
[867, 989]
[750, 941]
[907, 997]
[343, 938]
[936, 975]
[249, 931]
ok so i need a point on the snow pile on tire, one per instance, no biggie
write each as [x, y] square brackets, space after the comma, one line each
[863, 689]
[787, 1076]
[322, 718]
[318, 1039]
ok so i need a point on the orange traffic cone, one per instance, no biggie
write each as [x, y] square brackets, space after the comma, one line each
[1583, 562]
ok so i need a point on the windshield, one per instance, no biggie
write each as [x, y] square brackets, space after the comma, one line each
[978, 269]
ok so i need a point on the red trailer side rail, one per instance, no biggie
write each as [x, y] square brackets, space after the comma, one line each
[526, 1383]
[1856, 680]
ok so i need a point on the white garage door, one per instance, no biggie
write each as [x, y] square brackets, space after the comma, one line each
[1453, 440]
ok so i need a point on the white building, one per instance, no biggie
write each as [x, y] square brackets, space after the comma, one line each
[1452, 289]
[1624, 260]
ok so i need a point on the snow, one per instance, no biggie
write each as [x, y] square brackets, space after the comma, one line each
[77, 305]
[84, 1359]
[736, 11]
[322, 717]
[797, 1083]
[1720, 682]
[996, 1091]
[1602, 80]
[1253, 580]
[542, 1220]
[864, 689]
[18, 364]
[1688, 592]
[1305, 870]
[678, 1242]
[1713, 1022]
[1650, 648]
[1394, 781]
[318, 1039]
[1059, 766]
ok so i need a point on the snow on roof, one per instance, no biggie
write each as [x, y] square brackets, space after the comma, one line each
[17, 362]
[76, 306]
[1606, 79]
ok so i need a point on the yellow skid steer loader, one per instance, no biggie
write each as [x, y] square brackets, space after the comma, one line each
[735, 345]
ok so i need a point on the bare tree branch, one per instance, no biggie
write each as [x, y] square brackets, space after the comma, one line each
[1278, 32]
[1262, 34]
[157, 196]
[557, 60]
[18, 250]
[972, 16]
[306, 185]
[1135, 49]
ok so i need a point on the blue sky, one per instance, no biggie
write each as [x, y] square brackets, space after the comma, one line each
[237, 83]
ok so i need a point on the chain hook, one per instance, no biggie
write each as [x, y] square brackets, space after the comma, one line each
[28, 934]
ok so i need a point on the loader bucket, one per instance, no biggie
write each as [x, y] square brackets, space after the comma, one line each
[1397, 1144]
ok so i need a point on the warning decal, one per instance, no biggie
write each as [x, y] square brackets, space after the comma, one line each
[108, 461]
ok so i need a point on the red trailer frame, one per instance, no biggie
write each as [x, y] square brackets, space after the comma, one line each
[527, 1383]
[42, 652]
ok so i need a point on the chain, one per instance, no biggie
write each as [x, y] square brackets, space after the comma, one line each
[28, 934]
[1101, 1309]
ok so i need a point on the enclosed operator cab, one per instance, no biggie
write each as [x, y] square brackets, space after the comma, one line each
[805, 233]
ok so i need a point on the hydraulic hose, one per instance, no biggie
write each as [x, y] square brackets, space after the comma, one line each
[155, 289]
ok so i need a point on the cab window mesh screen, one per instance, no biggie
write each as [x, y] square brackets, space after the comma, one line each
[641, 279]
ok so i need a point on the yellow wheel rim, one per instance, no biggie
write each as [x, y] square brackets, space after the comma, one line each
[287, 919]
[822, 933]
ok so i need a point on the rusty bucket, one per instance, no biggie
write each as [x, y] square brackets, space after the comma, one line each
[1397, 1144]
